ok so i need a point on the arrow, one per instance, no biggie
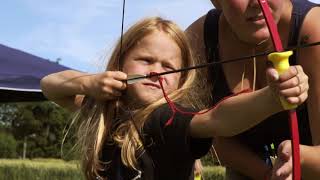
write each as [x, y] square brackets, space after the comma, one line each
[136, 77]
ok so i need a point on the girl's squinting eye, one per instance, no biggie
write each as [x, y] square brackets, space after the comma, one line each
[144, 60]
[169, 67]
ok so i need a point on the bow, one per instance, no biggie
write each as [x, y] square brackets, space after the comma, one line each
[293, 121]
[278, 48]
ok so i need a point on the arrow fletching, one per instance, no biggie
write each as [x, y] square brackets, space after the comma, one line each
[133, 78]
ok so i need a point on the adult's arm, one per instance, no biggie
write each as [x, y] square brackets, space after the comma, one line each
[241, 159]
[309, 58]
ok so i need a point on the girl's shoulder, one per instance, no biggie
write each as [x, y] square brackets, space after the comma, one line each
[163, 123]
[164, 113]
[174, 137]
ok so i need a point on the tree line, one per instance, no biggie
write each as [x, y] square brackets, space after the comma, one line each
[33, 130]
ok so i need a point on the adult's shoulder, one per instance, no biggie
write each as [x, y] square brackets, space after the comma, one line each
[310, 30]
[195, 31]
[195, 28]
[195, 34]
[310, 33]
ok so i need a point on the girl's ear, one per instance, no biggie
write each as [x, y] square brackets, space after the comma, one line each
[216, 4]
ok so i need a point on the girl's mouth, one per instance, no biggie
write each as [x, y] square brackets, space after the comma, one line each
[152, 85]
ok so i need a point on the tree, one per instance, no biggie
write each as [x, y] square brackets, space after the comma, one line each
[7, 145]
[40, 126]
[7, 113]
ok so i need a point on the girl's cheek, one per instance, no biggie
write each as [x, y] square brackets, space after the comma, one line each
[174, 81]
[136, 69]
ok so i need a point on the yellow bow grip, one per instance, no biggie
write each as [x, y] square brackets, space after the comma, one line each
[280, 61]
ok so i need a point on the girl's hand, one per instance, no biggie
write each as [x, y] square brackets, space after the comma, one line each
[292, 84]
[105, 86]
[282, 169]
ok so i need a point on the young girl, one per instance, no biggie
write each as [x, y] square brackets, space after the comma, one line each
[124, 128]
[237, 28]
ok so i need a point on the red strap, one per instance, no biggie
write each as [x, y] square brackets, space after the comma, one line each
[175, 109]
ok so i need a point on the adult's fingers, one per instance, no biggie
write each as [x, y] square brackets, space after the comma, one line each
[285, 170]
[284, 150]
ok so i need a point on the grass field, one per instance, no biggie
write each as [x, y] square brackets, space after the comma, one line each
[42, 169]
[56, 169]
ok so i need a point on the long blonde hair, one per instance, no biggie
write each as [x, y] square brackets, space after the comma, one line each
[95, 118]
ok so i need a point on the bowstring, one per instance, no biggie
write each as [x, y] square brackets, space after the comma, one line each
[225, 61]
[117, 102]
[131, 116]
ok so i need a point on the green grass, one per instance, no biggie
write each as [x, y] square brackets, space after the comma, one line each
[42, 169]
[56, 169]
[214, 173]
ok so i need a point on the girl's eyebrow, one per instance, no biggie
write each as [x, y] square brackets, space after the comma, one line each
[148, 56]
[145, 56]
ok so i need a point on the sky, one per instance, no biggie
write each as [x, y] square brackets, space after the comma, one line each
[82, 32]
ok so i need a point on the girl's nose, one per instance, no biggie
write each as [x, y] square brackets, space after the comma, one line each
[156, 67]
[154, 76]
[254, 3]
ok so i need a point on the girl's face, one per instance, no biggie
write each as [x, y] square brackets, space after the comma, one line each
[246, 18]
[156, 52]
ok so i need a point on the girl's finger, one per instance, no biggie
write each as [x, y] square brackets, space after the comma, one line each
[115, 92]
[295, 91]
[290, 73]
[118, 75]
[297, 100]
[119, 85]
[107, 92]
[272, 75]
[295, 81]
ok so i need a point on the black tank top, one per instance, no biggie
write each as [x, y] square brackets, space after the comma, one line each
[275, 129]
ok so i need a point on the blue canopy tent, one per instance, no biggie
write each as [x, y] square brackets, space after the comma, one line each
[20, 75]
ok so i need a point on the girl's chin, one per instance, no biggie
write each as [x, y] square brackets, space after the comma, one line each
[141, 100]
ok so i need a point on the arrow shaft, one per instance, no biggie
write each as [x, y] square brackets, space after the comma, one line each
[222, 62]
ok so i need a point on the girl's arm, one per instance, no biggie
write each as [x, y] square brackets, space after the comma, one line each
[236, 114]
[239, 113]
[67, 88]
